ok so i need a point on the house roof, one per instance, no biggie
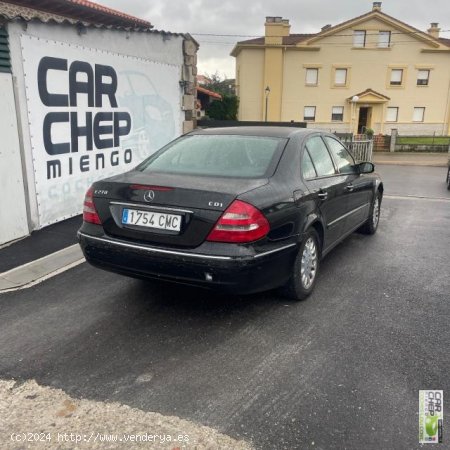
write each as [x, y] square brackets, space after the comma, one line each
[208, 92]
[369, 91]
[73, 11]
[383, 16]
[294, 39]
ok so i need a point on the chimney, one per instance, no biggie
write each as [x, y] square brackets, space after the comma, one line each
[434, 30]
[276, 29]
[376, 6]
[326, 27]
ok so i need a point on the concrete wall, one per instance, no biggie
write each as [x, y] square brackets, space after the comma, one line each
[13, 214]
[250, 84]
[163, 48]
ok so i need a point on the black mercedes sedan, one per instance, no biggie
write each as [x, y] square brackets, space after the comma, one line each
[241, 209]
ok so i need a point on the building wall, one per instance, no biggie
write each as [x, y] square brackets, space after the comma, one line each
[250, 84]
[367, 68]
[13, 213]
[164, 49]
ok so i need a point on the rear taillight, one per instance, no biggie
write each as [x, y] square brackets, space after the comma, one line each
[241, 222]
[89, 212]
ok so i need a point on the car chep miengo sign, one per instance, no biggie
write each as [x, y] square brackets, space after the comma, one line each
[92, 114]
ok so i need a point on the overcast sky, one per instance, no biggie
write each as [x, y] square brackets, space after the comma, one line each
[246, 17]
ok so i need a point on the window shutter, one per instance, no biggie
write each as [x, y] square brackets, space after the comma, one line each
[340, 76]
[418, 115]
[5, 60]
[392, 114]
[396, 76]
[311, 76]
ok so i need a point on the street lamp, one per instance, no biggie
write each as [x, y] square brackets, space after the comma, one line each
[354, 101]
[267, 91]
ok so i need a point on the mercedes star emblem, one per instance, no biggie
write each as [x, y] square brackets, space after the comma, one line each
[149, 196]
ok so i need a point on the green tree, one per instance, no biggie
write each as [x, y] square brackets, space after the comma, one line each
[226, 109]
[221, 85]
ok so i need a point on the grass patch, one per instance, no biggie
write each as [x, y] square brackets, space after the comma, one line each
[423, 140]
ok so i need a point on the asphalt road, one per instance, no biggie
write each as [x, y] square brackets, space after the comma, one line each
[341, 370]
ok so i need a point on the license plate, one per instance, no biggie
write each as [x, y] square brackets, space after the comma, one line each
[150, 219]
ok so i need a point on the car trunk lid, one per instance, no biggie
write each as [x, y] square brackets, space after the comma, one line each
[194, 203]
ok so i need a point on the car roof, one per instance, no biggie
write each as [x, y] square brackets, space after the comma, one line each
[267, 131]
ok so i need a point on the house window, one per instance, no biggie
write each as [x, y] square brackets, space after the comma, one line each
[359, 38]
[340, 77]
[337, 113]
[309, 113]
[422, 77]
[419, 114]
[384, 39]
[312, 77]
[392, 114]
[396, 77]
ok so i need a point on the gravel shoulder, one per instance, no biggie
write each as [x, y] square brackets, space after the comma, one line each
[49, 418]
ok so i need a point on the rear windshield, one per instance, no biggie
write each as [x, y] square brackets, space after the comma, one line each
[218, 155]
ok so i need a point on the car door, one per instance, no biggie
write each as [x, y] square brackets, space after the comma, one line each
[326, 186]
[357, 188]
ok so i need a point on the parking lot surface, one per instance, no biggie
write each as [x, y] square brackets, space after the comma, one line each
[342, 369]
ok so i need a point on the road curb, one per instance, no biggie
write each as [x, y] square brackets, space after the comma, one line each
[410, 163]
[40, 269]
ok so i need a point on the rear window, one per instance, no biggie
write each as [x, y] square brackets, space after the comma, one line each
[218, 155]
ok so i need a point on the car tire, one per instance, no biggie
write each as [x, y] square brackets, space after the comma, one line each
[305, 268]
[371, 225]
[448, 179]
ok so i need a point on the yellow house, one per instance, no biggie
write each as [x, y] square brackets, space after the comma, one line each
[373, 71]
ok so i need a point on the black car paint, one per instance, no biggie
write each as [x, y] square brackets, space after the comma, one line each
[290, 203]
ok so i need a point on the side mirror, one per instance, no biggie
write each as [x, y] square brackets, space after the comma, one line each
[366, 167]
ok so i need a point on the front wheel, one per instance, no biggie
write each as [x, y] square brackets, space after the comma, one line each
[305, 269]
[448, 179]
[371, 225]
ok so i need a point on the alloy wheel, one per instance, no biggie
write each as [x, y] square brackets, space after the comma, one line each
[376, 212]
[308, 267]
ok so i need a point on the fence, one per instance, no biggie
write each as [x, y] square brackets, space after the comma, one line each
[438, 144]
[358, 145]
[361, 150]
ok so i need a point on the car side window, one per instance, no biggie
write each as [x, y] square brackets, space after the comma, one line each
[308, 170]
[344, 160]
[320, 157]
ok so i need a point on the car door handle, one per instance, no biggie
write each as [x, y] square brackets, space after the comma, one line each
[323, 195]
[349, 187]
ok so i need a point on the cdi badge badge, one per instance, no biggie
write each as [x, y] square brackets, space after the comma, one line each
[431, 416]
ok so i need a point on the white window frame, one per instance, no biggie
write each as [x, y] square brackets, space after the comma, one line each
[340, 70]
[383, 43]
[309, 118]
[357, 41]
[389, 109]
[393, 80]
[312, 70]
[419, 114]
[340, 113]
[423, 81]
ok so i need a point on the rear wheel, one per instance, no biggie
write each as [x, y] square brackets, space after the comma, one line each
[448, 179]
[305, 269]
[370, 227]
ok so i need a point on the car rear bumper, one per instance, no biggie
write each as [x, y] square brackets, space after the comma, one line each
[239, 274]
